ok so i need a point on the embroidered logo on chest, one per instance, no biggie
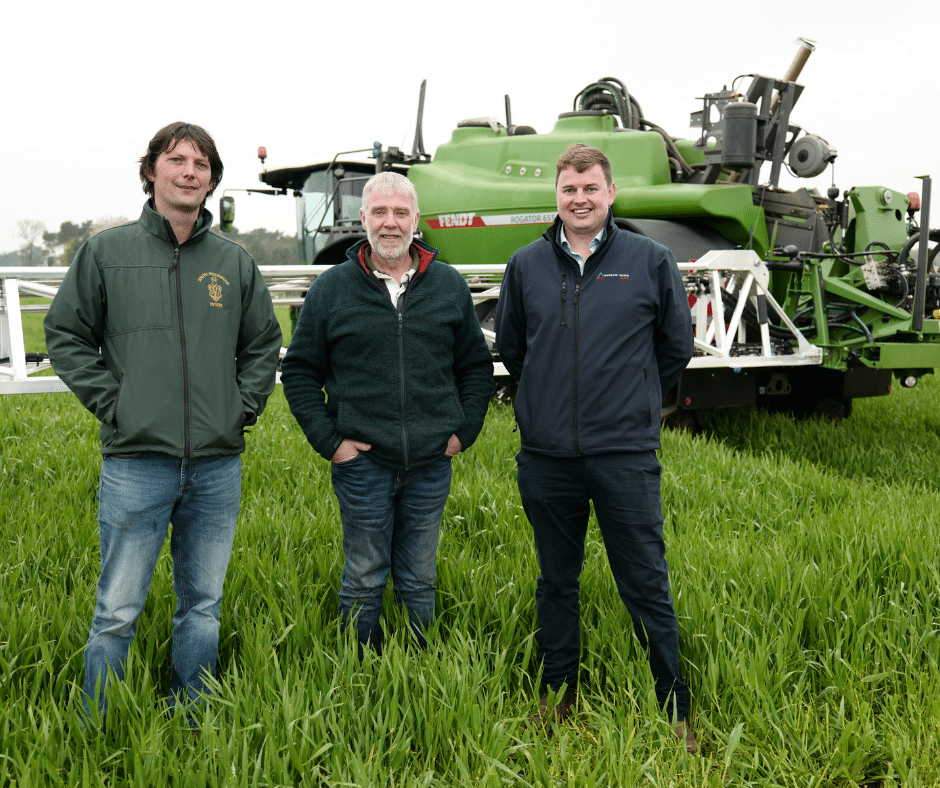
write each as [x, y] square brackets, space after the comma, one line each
[215, 287]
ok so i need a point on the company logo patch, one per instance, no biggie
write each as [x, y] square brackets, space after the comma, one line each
[215, 288]
[613, 276]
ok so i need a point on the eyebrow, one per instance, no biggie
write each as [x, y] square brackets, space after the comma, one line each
[174, 151]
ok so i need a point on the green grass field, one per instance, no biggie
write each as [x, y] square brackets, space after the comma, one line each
[804, 560]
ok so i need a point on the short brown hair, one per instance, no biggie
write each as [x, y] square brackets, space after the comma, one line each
[168, 138]
[581, 157]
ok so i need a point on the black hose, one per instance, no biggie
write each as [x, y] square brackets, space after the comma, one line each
[904, 286]
[610, 95]
[932, 235]
[31, 358]
[681, 163]
[870, 248]
[861, 325]
[840, 320]
[846, 257]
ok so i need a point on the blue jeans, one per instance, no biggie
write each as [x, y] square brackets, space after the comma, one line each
[391, 522]
[556, 494]
[139, 495]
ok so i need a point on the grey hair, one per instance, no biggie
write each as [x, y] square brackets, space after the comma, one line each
[389, 183]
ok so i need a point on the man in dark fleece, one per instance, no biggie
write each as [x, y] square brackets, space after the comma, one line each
[392, 339]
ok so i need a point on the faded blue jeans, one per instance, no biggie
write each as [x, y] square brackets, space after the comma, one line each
[391, 522]
[139, 495]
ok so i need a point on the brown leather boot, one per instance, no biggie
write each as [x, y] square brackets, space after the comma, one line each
[684, 734]
[558, 710]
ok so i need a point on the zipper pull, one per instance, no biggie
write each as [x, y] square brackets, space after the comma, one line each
[564, 295]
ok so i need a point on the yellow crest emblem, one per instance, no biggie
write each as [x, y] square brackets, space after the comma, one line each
[215, 287]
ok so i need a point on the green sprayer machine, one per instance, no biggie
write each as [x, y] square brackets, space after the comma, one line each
[800, 301]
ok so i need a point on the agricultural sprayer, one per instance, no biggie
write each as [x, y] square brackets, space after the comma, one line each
[800, 301]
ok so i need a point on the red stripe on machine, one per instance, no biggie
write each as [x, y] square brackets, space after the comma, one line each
[450, 221]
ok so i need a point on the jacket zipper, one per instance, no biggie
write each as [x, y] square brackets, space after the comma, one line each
[399, 309]
[577, 325]
[187, 447]
[564, 294]
[401, 390]
[598, 254]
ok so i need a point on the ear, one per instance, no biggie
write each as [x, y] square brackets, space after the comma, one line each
[414, 228]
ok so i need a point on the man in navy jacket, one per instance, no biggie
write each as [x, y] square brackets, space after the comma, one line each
[594, 324]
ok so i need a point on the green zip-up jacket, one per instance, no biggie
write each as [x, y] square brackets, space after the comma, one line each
[173, 347]
[401, 379]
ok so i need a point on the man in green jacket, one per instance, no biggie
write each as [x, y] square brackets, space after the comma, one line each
[166, 333]
[392, 339]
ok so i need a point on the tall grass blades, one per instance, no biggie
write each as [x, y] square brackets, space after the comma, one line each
[804, 565]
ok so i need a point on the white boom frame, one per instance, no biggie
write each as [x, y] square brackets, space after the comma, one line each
[14, 372]
[738, 271]
[742, 273]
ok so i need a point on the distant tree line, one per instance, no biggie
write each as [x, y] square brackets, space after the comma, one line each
[268, 247]
[42, 247]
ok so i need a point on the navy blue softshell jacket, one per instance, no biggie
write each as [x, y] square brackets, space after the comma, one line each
[593, 352]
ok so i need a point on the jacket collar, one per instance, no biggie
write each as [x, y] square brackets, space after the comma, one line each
[158, 225]
[426, 254]
[551, 235]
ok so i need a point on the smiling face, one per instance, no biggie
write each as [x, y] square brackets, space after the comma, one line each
[390, 220]
[181, 177]
[584, 199]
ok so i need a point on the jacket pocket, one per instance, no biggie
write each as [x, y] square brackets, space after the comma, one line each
[117, 398]
[152, 303]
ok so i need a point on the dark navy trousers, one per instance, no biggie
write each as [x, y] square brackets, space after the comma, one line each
[624, 487]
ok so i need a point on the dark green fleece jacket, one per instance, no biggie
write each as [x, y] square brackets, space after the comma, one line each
[173, 347]
[403, 380]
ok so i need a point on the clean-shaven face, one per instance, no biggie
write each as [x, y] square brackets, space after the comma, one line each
[390, 221]
[584, 199]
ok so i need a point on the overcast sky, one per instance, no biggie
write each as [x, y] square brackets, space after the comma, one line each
[85, 85]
